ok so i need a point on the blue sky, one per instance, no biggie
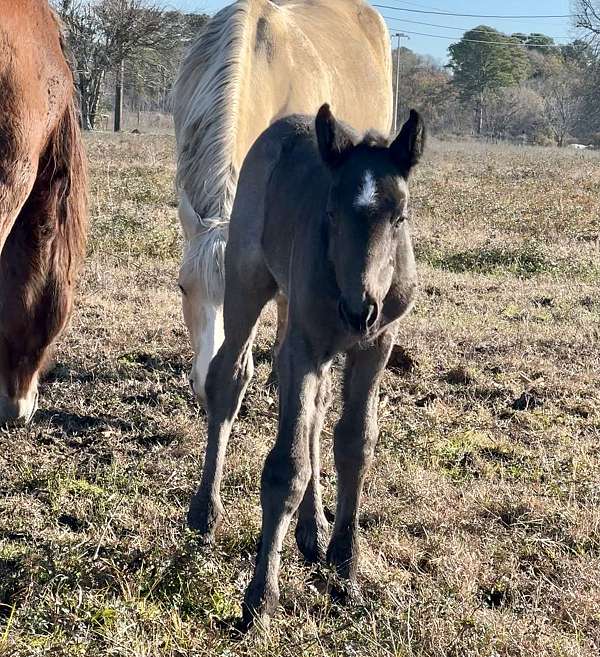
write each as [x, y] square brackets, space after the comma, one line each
[437, 47]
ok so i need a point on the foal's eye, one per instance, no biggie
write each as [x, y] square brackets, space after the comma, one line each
[181, 289]
[399, 218]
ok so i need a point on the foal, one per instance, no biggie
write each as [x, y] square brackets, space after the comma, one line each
[319, 216]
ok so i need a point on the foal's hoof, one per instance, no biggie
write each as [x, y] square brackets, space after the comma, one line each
[258, 608]
[346, 592]
[311, 539]
[205, 517]
[342, 555]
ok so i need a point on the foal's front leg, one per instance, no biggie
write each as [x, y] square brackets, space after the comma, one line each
[285, 476]
[354, 445]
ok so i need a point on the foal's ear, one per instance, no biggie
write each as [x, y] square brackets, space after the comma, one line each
[334, 141]
[407, 148]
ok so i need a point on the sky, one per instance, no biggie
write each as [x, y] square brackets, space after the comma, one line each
[453, 26]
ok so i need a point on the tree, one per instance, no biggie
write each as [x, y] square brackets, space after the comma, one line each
[587, 17]
[562, 96]
[579, 52]
[130, 28]
[91, 55]
[485, 60]
[423, 85]
[103, 34]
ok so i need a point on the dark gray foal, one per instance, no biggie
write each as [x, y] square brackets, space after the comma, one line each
[319, 216]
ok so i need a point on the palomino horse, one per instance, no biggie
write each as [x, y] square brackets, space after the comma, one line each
[319, 216]
[257, 61]
[42, 198]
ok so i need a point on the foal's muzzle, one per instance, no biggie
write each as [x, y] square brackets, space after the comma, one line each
[363, 320]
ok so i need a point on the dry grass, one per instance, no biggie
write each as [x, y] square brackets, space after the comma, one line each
[481, 520]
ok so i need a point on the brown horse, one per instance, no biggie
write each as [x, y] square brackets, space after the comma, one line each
[43, 202]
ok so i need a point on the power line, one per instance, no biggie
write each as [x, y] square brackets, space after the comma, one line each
[420, 6]
[448, 13]
[450, 27]
[499, 43]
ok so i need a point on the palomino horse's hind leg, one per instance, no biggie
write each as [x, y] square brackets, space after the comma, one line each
[229, 373]
[354, 446]
[312, 529]
[282, 318]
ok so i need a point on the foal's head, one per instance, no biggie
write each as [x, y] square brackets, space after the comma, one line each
[369, 243]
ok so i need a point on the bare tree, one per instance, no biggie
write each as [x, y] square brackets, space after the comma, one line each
[103, 34]
[513, 112]
[132, 27]
[587, 17]
[91, 55]
[562, 97]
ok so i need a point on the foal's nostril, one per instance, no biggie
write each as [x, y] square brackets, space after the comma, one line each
[362, 321]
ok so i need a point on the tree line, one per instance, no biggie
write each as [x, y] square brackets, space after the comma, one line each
[511, 86]
[503, 86]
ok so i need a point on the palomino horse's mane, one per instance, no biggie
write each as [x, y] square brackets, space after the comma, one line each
[206, 115]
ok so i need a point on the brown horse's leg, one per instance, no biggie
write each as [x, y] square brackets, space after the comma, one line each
[228, 376]
[312, 528]
[282, 318]
[285, 476]
[354, 445]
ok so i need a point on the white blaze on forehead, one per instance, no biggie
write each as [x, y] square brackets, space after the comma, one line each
[368, 192]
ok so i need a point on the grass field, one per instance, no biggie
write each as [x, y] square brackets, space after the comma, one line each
[481, 517]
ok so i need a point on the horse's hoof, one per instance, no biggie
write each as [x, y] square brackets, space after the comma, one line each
[346, 592]
[311, 539]
[342, 555]
[258, 608]
[205, 518]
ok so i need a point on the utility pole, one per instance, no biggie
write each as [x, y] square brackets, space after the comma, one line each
[398, 35]
[119, 94]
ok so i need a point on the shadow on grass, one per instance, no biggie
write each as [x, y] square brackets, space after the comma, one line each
[74, 424]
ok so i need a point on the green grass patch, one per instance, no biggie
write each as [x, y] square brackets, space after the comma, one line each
[524, 260]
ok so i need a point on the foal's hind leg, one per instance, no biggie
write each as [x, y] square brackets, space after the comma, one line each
[312, 528]
[230, 371]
